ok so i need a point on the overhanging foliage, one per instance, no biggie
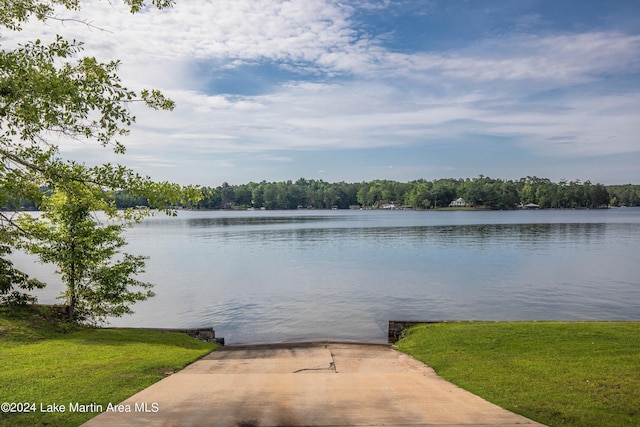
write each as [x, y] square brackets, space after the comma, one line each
[51, 92]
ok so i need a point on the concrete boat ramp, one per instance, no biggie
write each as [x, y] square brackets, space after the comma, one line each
[307, 384]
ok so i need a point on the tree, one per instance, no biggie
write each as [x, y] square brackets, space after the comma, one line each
[50, 91]
[508, 195]
[11, 278]
[419, 195]
[362, 196]
[99, 280]
[442, 193]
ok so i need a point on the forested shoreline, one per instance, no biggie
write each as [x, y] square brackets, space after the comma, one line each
[480, 192]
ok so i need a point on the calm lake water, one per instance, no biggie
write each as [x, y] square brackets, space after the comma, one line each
[271, 276]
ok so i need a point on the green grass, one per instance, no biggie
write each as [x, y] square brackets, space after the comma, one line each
[48, 361]
[556, 373]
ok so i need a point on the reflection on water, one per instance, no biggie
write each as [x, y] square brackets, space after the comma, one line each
[260, 220]
[274, 276]
[448, 235]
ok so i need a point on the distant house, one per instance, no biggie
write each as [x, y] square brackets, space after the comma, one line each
[531, 206]
[458, 203]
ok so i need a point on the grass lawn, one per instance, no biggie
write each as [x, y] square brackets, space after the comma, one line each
[49, 362]
[556, 373]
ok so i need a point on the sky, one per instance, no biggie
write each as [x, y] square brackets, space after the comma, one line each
[360, 90]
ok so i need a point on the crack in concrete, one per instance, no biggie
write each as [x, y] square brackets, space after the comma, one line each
[333, 362]
[331, 367]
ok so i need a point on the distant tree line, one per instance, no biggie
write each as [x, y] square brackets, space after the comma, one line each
[624, 195]
[482, 191]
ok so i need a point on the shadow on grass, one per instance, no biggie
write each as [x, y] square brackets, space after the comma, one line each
[31, 324]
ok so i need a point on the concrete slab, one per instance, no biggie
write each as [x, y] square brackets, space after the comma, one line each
[320, 384]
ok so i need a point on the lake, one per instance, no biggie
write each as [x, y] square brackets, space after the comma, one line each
[273, 276]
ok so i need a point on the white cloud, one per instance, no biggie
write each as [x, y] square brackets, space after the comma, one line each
[590, 126]
[235, 29]
[382, 98]
[273, 158]
[552, 60]
[321, 34]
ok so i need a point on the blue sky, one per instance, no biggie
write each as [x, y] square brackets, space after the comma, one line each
[359, 90]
